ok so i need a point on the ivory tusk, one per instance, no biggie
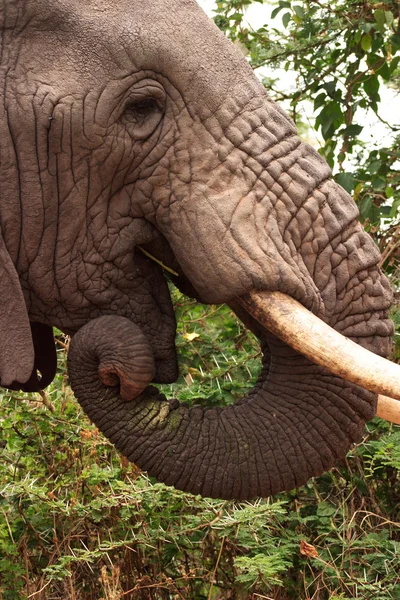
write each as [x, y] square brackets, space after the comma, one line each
[388, 409]
[296, 326]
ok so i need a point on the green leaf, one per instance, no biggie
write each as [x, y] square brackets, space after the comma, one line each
[380, 18]
[299, 11]
[330, 118]
[395, 41]
[367, 209]
[276, 11]
[394, 209]
[379, 183]
[353, 130]
[389, 191]
[319, 101]
[384, 72]
[347, 181]
[261, 566]
[325, 509]
[330, 87]
[394, 64]
[371, 86]
[389, 17]
[372, 58]
[286, 19]
[374, 166]
[366, 42]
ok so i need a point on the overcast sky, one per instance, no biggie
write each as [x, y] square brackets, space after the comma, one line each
[257, 14]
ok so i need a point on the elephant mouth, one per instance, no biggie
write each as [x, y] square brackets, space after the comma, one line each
[309, 335]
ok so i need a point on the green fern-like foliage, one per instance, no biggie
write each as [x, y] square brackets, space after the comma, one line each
[78, 521]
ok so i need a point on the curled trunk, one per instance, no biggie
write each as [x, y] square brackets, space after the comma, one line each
[295, 423]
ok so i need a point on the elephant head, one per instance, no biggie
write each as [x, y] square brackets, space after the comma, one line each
[130, 124]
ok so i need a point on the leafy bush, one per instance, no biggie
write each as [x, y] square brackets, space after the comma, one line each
[78, 521]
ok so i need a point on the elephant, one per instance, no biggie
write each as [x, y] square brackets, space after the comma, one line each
[131, 130]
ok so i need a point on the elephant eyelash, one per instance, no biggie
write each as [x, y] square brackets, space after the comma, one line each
[140, 109]
[141, 115]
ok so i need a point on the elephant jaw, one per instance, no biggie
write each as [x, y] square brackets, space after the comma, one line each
[304, 332]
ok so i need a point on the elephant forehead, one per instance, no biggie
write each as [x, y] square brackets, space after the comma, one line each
[108, 39]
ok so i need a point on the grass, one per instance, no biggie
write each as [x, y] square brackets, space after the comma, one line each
[79, 522]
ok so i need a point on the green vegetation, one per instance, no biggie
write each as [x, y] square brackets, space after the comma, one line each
[78, 522]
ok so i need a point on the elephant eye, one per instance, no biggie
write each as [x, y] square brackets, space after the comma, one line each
[141, 116]
[140, 109]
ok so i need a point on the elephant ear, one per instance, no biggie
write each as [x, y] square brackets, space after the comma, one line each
[25, 348]
[45, 362]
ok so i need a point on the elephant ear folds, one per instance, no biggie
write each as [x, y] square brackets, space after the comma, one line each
[16, 345]
[28, 359]
[45, 361]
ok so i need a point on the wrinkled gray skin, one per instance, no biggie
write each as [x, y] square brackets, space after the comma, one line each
[127, 123]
